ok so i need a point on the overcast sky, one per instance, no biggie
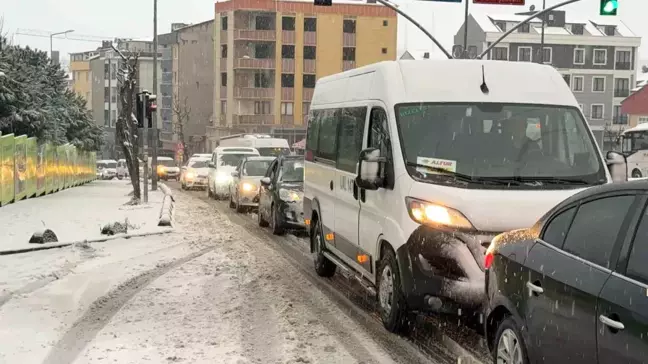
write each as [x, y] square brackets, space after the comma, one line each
[134, 19]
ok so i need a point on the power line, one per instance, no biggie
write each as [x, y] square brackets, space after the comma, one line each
[75, 37]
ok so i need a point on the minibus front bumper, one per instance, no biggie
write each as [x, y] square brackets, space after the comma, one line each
[445, 269]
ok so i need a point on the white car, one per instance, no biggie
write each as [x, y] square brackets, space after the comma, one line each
[409, 178]
[195, 173]
[223, 162]
[122, 169]
[106, 169]
[246, 180]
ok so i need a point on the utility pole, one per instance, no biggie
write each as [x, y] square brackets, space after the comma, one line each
[544, 4]
[143, 95]
[51, 48]
[155, 83]
[465, 40]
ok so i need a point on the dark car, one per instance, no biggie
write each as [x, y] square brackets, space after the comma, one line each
[281, 194]
[574, 287]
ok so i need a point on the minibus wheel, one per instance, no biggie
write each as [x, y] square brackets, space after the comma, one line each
[323, 266]
[391, 303]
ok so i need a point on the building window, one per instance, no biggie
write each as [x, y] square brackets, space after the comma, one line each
[618, 118]
[524, 28]
[578, 29]
[261, 80]
[224, 51]
[384, 51]
[224, 22]
[113, 95]
[287, 80]
[113, 118]
[524, 54]
[348, 53]
[223, 107]
[106, 71]
[385, 23]
[600, 56]
[501, 25]
[623, 60]
[642, 120]
[107, 118]
[579, 56]
[547, 54]
[262, 107]
[106, 94]
[309, 81]
[263, 22]
[310, 24]
[349, 26]
[310, 52]
[500, 54]
[577, 83]
[305, 108]
[596, 112]
[567, 79]
[598, 84]
[288, 51]
[223, 79]
[287, 108]
[621, 87]
[610, 30]
[264, 51]
[288, 23]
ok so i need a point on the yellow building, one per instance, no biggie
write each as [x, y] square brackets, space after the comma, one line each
[269, 54]
[82, 75]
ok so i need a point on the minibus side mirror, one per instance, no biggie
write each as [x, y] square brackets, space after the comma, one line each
[618, 166]
[369, 169]
[266, 181]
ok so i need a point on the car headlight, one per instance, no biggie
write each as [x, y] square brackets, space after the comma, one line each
[248, 187]
[222, 178]
[190, 175]
[432, 214]
[289, 196]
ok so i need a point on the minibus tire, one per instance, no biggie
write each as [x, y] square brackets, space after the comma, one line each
[397, 319]
[323, 266]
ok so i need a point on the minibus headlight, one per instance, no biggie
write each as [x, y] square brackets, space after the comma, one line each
[289, 196]
[432, 214]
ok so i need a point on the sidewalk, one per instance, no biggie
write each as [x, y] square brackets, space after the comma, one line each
[77, 214]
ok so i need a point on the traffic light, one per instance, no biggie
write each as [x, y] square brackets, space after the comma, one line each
[609, 7]
[146, 106]
[151, 107]
[140, 111]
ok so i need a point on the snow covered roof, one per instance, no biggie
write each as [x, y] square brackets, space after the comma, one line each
[552, 30]
[415, 54]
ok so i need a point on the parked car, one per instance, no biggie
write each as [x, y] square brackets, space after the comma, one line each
[195, 173]
[246, 179]
[281, 195]
[574, 287]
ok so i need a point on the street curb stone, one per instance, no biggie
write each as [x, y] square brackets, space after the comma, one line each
[168, 206]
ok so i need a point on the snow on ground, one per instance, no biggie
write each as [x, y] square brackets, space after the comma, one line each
[76, 213]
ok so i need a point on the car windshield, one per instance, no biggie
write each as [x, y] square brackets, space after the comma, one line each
[273, 152]
[635, 141]
[167, 163]
[107, 165]
[484, 144]
[231, 159]
[255, 168]
[292, 171]
[199, 164]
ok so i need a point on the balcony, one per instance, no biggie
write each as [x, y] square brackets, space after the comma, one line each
[253, 119]
[623, 65]
[288, 37]
[250, 34]
[620, 119]
[287, 94]
[621, 92]
[288, 65]
[348, 65]
[309, 66]
[287, 120]
[307, 94]
[254, 93]
[223, 92]
[310, 38]
[255, 63]
[349, 40]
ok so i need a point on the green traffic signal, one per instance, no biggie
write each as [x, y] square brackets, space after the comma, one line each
[609, 7]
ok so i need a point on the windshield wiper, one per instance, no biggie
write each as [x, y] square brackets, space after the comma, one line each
[458, 176]
[560, 181]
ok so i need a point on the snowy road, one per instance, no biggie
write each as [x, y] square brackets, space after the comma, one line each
[220, 290]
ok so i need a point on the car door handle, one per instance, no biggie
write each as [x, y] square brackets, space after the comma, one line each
[534, 288]
[611, 323]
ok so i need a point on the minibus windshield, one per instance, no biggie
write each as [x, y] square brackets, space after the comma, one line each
[530, 146]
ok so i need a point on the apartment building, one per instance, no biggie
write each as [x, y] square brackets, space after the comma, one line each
[269, 54]
[597, 58]
[94, 76]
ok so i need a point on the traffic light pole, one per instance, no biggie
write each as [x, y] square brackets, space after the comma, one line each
[145, 137]
[156, 137]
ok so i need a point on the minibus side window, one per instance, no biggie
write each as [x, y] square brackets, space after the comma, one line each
[327, 138]
[312, 131]
[379, 138]
[351, 132]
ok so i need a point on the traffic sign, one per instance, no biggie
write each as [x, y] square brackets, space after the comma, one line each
[609, 7]
[499, 2]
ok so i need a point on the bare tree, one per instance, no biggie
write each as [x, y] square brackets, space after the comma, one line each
[126, 131]
[182, 114]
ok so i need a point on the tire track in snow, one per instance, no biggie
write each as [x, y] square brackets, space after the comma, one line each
[101, 311]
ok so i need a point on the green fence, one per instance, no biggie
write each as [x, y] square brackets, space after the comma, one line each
[29, 169]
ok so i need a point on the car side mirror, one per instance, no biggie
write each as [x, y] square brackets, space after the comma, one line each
[618, 166]
[211, 165]
[266, 181]
[235, 174]
[369, 176]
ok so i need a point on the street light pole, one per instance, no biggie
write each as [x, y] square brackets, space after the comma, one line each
[155, 91]
[542, 37]
[51, 48]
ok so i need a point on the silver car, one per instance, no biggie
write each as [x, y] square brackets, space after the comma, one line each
[246, 180]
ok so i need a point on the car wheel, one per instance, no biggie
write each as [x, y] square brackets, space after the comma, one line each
[231, 202]
[238, 206]
[636, 173]
[260, 218]
[391, 303]
[209, 192]
[323, 266]
[183, 186]
[275, 222]
[509, 345]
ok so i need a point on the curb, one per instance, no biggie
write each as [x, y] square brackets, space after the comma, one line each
[96, 240]
[168, 206]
